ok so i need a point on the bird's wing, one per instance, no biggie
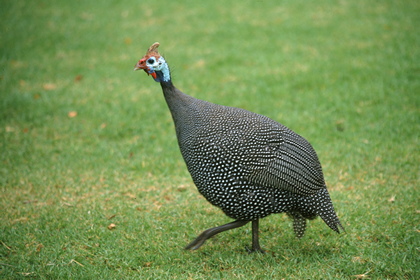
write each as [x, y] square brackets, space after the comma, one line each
[287, 161]
[258, 150]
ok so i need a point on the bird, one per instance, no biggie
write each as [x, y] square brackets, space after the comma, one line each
[247, 164]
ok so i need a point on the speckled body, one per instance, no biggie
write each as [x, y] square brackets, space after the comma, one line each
[247, 164]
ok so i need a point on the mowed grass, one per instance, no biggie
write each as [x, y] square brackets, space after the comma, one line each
[93, 185]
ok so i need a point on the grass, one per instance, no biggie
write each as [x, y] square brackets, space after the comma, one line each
[93, 185]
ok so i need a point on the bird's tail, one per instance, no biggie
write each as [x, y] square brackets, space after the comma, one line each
[310, 207]
[325, 210]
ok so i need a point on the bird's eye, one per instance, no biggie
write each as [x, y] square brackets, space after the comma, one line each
[151, 60]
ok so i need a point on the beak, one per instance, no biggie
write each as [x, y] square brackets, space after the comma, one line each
[139, 65]
[142, 65]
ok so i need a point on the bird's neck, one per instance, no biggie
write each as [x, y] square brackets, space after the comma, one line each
[169, 90]
[172, 94]
[174, 97]
[180, 104]
[164, 74]
[182, 108]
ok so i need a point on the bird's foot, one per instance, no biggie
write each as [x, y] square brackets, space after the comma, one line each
[254, 250]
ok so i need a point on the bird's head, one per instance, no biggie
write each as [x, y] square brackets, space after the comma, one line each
[154, 64]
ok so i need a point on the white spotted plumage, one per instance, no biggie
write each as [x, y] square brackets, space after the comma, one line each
[245, 163]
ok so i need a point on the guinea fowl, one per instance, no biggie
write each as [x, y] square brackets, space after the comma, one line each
[244, 163]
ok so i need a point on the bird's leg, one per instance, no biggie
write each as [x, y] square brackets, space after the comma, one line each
[255, 239]
[213, 231]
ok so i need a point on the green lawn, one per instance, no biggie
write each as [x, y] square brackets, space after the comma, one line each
[93, 185]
